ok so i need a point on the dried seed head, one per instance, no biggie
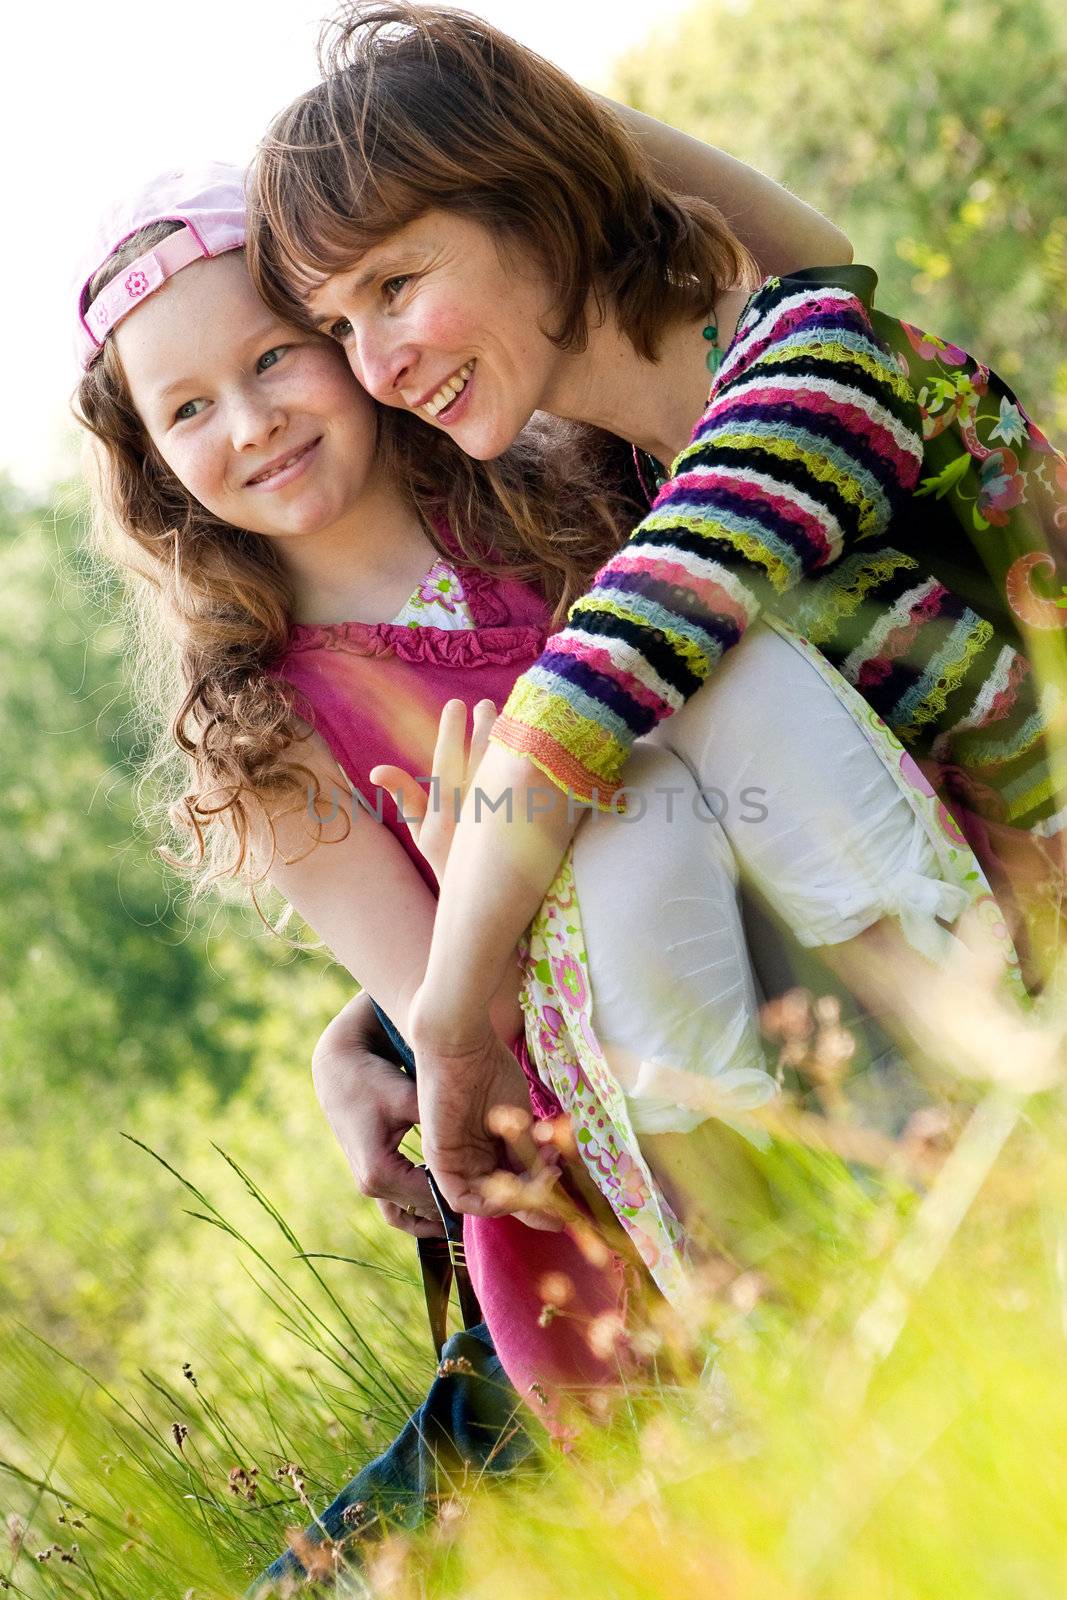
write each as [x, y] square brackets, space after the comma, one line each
[556, 1133]
[179, 1433]
[320, 1559]
[189, 1375]
[604, 1334]
[508, 1122]
[242, 1483]
[555, 1289]
[455, 1366]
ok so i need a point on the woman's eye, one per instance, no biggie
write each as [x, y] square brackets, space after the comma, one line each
[190, 409]
[270, 358]
[392, 286]
[340, 330]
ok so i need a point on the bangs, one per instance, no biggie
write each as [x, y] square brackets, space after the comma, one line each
[317, 202]
[423, 108]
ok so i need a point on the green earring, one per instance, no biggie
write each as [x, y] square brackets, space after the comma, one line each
[713, 360]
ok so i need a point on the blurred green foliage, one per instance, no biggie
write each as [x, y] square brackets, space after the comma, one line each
[120, 1006]
[932, 131]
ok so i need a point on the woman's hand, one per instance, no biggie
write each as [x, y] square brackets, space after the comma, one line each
[477, 1127]
[371, 1105]
[432, 817]
[502, 860]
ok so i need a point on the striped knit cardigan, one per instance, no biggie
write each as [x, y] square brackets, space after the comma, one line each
[803, 489]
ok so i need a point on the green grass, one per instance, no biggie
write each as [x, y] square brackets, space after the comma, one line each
[888, 1415]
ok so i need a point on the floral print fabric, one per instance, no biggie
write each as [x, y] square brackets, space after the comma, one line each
[438, 602]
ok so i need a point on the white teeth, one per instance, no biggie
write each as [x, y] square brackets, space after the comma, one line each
[448, 391]
[264, 477]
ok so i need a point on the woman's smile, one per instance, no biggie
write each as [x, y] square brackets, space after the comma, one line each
[444, 405]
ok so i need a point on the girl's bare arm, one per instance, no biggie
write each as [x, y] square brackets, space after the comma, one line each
[364, 898]
[360, 892]
[783, 232]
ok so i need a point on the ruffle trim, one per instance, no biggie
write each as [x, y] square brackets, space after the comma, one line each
[430, 646]
[481, 588]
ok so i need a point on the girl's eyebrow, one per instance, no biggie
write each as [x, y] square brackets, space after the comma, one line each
[174, 385]
[252, 340]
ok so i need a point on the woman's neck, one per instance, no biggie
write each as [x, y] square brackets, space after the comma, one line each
[653, 404]
[363, 568]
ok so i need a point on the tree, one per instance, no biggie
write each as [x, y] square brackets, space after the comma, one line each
[933, 131]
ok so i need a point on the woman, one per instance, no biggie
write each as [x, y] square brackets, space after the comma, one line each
[557, 274]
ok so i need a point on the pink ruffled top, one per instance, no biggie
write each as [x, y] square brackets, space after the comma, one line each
[375, 690]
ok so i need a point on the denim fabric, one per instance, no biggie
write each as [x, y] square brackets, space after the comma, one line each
[467, 1425]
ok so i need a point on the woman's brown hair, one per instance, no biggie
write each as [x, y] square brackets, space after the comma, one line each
[423, 107]
[211, 604]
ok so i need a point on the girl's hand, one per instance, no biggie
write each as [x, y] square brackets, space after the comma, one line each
[371, 1105]
[432, 818]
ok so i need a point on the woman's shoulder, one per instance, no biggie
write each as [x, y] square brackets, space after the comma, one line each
[819, 317]
[850, 280]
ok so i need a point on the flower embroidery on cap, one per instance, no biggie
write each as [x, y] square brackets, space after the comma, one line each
[136, 284]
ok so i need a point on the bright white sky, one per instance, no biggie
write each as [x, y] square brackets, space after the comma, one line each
[98, 95]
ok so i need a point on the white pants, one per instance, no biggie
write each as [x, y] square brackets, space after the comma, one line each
[762, 771]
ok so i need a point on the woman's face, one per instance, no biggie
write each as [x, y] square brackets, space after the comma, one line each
[438, 319]
[262, 423]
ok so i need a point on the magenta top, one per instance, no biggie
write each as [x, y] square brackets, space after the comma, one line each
[375, 690]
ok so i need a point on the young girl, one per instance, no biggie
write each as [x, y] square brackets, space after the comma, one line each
[819, 482]
[261, 496]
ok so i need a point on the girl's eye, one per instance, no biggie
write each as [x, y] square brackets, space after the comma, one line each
[270, 358]
[190, 409]
[340, 330]
[392, 286]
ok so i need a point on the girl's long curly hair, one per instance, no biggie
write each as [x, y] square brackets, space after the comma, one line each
[209, 605]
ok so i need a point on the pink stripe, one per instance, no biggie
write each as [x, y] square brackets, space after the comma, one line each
[787, 322]
[852, 416]
[806, 521]
[603, 661]
[716, 600]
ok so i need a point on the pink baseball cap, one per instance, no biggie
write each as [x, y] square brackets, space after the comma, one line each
[209, 200]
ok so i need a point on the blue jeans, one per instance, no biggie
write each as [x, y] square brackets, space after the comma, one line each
[468, 1425]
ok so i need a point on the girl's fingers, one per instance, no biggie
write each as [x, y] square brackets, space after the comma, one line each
[418, 1226]
[448, 762]
[484, 717]
[410, 796]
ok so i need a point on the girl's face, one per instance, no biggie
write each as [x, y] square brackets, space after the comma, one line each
[262, 423]
[439, 320]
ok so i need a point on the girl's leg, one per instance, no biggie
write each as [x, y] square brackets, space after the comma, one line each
[815, 819]
[675, 1007]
